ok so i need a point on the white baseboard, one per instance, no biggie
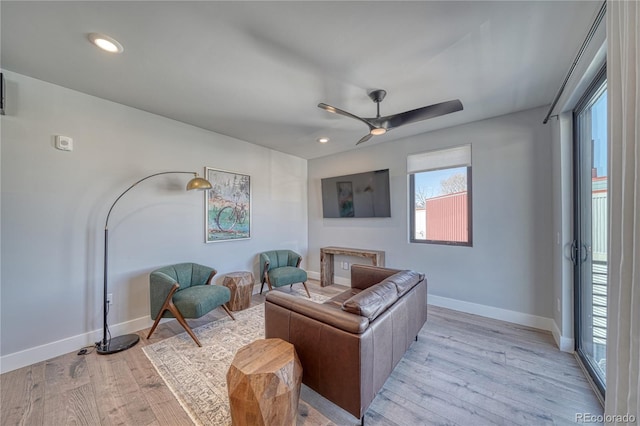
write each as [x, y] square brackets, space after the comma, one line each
[528, 320]
[47, 351]
[566, 344]
[50, 350]
[336, 280]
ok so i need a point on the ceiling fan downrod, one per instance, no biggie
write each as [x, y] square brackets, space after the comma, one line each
[377, 96]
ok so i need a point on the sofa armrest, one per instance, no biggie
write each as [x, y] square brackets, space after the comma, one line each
[328, 315]
[364, 276]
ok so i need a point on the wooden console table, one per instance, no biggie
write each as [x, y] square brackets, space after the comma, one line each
[326, 260]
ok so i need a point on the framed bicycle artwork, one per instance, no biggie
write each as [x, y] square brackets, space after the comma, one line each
[228, 206]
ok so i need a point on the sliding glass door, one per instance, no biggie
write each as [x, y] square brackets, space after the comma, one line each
[591, 225]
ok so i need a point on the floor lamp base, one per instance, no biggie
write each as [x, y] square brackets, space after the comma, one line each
[118, 344]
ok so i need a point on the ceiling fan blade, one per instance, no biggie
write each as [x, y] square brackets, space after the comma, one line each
[335, 110]
[364, 138]
[418, 114]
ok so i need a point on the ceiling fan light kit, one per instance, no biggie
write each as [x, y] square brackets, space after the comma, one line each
[380, 125]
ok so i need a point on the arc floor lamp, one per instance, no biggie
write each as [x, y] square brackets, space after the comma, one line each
[108, 344]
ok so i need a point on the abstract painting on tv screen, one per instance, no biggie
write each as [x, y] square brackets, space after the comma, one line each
[345, 199]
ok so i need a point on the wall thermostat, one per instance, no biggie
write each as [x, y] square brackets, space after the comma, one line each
[64, 143]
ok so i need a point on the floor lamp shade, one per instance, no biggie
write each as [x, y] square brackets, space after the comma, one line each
[198, 183]
[108, 344]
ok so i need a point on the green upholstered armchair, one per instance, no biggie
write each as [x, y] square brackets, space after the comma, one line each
[185, 291]
[281, 267]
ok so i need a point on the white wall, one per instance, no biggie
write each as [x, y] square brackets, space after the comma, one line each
[54, 205]
[508, 271]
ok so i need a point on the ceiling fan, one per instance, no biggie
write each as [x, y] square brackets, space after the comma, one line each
[380, 125]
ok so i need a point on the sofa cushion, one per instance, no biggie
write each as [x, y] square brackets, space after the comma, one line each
[405, 280]
[340, 298]
[372, 301]
[287, 275]
[194, 302]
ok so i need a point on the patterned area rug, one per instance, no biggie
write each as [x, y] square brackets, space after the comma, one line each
[197, 376]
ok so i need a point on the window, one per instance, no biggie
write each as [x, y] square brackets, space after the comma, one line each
[590, 229]
[440, 196]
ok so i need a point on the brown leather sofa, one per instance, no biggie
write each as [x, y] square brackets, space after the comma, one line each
[350, 344]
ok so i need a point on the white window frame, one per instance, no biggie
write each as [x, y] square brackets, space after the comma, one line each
[440, 159]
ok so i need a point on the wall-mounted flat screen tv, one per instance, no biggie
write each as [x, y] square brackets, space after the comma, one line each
[358, 195]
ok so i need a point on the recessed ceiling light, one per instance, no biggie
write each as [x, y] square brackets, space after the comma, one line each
[323, 140]
[106, 43]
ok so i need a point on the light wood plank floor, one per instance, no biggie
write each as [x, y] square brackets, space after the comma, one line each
[463, 370]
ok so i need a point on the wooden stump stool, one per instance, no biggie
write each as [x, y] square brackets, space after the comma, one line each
[264, 384]
[241, 286]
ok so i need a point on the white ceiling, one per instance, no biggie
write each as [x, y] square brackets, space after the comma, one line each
[257, 70]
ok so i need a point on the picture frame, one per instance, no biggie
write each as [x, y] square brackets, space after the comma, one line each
[227, 206]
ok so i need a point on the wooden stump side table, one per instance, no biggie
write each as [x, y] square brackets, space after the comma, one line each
[264, 384]
[241, 286]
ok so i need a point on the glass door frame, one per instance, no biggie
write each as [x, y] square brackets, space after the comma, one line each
[579, 251]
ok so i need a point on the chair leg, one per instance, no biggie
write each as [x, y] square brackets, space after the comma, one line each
[165, 307]
[184, 324]
[304, 283]
[268, 285]
[228, 312]
[155, 324]
[169, 306]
